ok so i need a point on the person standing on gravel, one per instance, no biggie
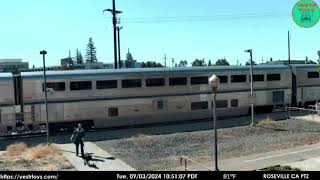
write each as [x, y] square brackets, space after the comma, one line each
[78, 139]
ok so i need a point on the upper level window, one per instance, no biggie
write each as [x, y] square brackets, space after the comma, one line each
[273, 77]
[258, 77]
[155, 82]
[199, 105]
[313, 74]
[56, 86]
[199, 80]
[177, 81]
[238, 78]
[81, 85]
[131, 83]
[110, 84]
[223, 79]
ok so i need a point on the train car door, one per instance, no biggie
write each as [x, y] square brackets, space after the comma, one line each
[160, 106]
[278, 97]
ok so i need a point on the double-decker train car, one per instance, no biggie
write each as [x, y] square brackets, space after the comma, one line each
[113, 98]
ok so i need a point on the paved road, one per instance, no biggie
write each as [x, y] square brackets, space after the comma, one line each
[102, 160]
[299, 157]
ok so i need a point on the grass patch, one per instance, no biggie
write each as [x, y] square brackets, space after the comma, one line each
[20, 157]
[267, 122]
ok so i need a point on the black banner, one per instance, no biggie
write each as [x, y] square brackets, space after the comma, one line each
[125, 175]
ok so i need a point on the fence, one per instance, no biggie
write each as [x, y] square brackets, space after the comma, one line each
[303, 113]
[187, 163]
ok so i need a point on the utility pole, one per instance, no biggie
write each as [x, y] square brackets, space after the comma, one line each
[43, 53]
[289, 58]
[165, 60]
[118, 29]
[114, 13]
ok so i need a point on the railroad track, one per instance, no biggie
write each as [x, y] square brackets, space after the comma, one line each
[43, 133]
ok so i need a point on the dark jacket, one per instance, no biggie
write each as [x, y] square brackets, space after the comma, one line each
[78, 134]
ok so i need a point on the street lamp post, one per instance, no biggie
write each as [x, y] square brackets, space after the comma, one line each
[251, 85]
[43, 53]
[214, 82]
[119, 55]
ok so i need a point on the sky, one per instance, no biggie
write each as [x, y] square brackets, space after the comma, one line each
[27, 27]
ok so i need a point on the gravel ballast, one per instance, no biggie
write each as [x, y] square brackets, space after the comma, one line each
[161, 152]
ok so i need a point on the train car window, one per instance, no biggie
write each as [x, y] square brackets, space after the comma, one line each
[199, 105]
[110, 84]
[131, 83]
[199, 80]
[258, 77]
[155, 82]
[81, 85]
[313, 74]
[178, 81]
[113, 112]
[273, 77]
[222, 104]
[234, 103]
[223, 79]
[56, 86]
[238, 78]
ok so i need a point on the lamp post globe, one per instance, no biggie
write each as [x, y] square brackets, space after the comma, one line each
[214, 82]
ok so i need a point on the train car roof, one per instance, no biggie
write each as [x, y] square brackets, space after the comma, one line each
[5, 76]
[305, 66]
[147, 71]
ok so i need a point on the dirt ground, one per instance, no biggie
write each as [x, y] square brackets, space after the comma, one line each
[162, 152]
[19, 157]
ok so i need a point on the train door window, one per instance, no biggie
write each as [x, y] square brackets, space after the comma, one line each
[222, 104]
[177, 81]
[56, 86]
[199, 105]
[131, 83]
[33, 114]
[110, 84]
[234, 103]
[81, 85]
[155, 82]
[238, 78]
[278, 97]
[113, 112]
[258, 77]
[199, 80]
[223, 79]
[273, 77]
[313, 75]
[160, 105]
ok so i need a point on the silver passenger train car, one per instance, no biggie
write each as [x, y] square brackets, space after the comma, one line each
[113, 98]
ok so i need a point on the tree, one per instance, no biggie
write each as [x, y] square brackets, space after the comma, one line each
[183, 63]
[91, 54]
[319, 57]
[151, 64]
[209, 63]
[198, 62]
[248, 63]
[79, 58]
[222, 62]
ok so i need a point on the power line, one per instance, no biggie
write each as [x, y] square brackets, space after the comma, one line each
[224, 17]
